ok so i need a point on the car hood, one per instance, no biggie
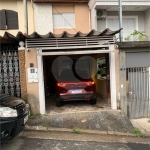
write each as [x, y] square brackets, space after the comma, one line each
[9, 101]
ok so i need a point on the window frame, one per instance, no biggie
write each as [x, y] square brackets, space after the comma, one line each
[62, 15]
[8, 18]
[124, 17]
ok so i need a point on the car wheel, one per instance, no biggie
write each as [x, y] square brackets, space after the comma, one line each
[58, 103]
[93, 101]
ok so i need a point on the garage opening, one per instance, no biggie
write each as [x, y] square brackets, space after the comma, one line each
[69, 83]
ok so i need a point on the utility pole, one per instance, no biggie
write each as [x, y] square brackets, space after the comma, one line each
[120, 20]
[25, 16]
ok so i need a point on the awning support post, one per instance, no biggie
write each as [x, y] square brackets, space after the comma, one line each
[41, 83]
[112, 78]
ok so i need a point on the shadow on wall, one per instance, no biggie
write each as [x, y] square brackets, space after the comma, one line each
[34, 103]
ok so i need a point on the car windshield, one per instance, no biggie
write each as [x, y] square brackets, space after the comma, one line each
[72, 76]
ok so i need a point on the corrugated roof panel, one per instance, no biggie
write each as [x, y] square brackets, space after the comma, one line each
[21, 37]
[61, 1]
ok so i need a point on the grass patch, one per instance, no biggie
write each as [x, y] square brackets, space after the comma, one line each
[30, 116]
[75, 130]
[138, 132]
[149, 121]
[47, 126]
[38, 114]
[116, 134]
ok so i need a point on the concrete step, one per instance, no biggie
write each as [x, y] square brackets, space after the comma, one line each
[104, 120]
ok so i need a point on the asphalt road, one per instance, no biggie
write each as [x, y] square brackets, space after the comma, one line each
[26, 141]
[42, 144]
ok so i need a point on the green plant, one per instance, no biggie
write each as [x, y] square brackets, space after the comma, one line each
[137, 36]
[75, 130]
[102, 69]
[47, 126]
[30, 116]
[116, 134]
[138, 132]
[38, 114]
[149, 121]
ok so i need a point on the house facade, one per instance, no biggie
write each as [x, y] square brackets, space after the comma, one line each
[136, 15]
[49, 20]
[45, 17]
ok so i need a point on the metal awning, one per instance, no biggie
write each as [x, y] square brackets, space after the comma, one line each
[65, 43]
[9, 38]
[70, 43]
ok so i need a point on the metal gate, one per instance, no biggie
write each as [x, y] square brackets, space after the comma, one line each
[9, 71]
[138, 92]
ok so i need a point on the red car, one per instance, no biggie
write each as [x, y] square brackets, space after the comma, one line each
[75, 85]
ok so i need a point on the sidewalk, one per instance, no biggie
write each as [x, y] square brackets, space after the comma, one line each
[106, 122]
[143, 124]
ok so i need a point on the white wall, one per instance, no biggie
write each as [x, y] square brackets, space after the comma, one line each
[101, 24]
[147, 23]
[43, 18]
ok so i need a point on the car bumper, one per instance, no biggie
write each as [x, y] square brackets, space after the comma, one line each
[76, 97]
[12, 127]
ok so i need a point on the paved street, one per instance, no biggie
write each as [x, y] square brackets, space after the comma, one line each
[54, 141]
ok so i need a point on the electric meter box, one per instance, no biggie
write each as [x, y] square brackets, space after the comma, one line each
[32, 75]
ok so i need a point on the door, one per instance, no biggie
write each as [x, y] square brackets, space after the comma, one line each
[138, 92]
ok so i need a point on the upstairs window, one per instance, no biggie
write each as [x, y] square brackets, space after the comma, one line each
[64, 20]
[129, 25]
[8, 19]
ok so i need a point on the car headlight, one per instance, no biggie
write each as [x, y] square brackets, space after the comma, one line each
[7, 112]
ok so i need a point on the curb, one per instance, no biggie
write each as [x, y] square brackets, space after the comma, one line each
[84, 131]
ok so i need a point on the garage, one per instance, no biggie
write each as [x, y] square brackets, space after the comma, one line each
[53, 66]
[94, 53]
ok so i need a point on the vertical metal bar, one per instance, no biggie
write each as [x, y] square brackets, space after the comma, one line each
[149, 91]
[144, 92]
[142, 82]
[148, 84]
[144, 72]
[120, 20]
[136, 84]
[25, 16]
[139, 93]
[134, 69]
[141, 89]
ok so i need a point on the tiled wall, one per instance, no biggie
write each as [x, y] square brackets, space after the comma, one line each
[21, 54]
[43, 18]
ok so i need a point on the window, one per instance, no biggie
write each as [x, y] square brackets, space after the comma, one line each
[129, 25]
[64, 20]
[8, 19]
[101, 68]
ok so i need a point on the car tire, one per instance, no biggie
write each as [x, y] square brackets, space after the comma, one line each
[93, 101]
[58, 103]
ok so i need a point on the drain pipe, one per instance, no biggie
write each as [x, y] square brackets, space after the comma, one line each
[25, 16]
[120, 20]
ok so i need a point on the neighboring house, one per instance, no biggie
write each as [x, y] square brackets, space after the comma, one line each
[134, 65]
[12, 17]
[136, 15]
